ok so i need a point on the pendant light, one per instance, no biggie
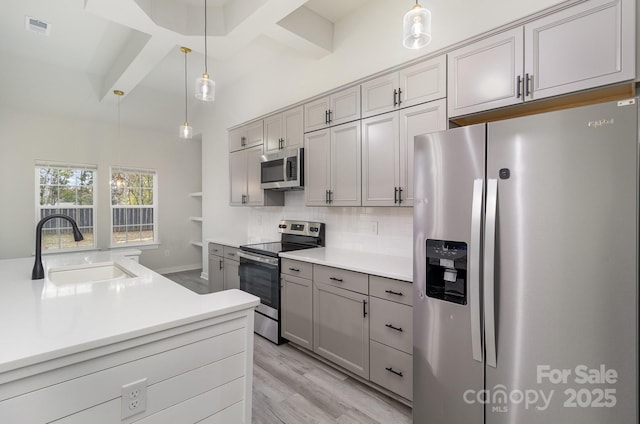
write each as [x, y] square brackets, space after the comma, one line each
[185, 130]
[416, 29]
[118, 181]
[205, 87]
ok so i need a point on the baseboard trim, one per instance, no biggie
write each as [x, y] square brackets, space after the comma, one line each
[204, 275]
[179, 268]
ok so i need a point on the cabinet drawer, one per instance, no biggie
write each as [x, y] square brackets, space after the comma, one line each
[297, 268]
[396, 290]
[391, 369]
[392, 324]
[350, 280]
[231, 253]
[215, 249]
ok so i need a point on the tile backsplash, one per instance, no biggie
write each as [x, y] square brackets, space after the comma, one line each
[385, 230]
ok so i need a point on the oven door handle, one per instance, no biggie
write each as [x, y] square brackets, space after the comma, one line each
[261, 259]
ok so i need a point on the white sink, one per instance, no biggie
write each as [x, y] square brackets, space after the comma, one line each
[88, 273]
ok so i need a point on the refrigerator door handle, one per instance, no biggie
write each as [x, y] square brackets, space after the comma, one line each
[489, 272]
[474, 283]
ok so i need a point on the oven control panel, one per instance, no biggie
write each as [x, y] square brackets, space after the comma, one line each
[303, 228]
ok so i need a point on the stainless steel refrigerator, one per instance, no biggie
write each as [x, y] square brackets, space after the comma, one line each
[526, 270]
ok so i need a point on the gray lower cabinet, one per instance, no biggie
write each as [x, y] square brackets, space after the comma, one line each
[341, 327]
[296, 302]
[362, 323]
[216, 268]
[391, 335]
[231, 268]
[223, 268]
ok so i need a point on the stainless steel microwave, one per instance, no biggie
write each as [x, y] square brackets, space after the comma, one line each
[282, 170]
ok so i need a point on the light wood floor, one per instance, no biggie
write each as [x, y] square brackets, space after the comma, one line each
[291, 387]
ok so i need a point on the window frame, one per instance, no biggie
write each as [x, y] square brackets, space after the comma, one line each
[38, 165]
[154, 206]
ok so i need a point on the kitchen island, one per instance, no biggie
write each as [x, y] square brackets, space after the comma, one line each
[69, 351]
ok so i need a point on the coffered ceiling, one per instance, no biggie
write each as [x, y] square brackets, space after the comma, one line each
[133, 45]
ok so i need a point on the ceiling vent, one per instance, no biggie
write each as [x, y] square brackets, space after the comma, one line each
[37, 26]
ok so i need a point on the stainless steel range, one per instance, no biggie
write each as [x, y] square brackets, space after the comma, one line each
[260, 271]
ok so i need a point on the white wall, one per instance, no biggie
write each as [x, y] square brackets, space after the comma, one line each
[366, 42]
[29, 136]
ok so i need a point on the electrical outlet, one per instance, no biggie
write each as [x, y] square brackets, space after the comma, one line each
[134, 398]
[167, 252]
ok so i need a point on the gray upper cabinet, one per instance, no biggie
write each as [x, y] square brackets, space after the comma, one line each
[248, 135]
[244, 180]
[419, 83]
[589, 45]
[484, 75]
[284, 130]
[387, 152]
[332, 166]
[585, 46]
[335, 109]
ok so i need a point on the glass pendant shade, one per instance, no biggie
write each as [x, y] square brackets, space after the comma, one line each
[416, 31]
[205, 88]
[186, 132]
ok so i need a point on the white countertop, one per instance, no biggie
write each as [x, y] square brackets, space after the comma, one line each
[397, 267]
[40, 321]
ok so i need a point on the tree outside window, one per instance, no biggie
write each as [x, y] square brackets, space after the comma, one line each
[133, 206]
[66, 189]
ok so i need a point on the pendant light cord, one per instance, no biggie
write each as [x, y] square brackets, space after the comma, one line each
[205, 37]
[185, 87]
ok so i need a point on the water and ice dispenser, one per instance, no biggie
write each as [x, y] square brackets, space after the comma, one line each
[447, 270]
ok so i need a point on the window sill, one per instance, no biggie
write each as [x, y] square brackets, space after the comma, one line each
[139, 246]
[64, 251]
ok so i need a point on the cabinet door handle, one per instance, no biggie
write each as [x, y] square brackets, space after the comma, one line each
[231, 254]
[330, 196]
[336, 279]
[326, 116]
[399, 96]
[330, 118]
[518, 85]
[221, 262]
[364, 308]
[243, 141]
[326, 196]
[391, 370]
[399, 195]
[395, 195]
[394, 292]
[393, 327]
[294, 269]
[527, 80]
[395, 96]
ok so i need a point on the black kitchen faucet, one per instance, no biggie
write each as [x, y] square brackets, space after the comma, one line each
[38, 270]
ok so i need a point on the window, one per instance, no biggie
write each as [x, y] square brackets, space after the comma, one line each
[134, 206]
[69, 190]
